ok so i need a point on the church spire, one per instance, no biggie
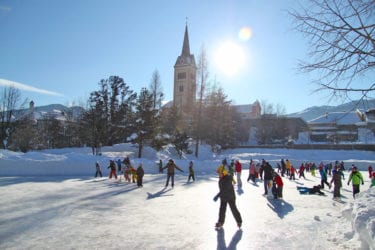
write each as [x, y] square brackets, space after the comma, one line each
[185, 70]
[185, 47]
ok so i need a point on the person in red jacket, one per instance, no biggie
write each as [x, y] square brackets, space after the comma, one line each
[301, 171]
[238, 169]
[112, 166]
[252, 172]
[292, 173]
[279, 185]
[370, 171]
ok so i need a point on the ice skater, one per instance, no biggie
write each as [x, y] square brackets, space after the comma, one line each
[227, 196]
[171, 166]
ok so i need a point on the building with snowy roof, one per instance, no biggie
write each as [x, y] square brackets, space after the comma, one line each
[340, 127]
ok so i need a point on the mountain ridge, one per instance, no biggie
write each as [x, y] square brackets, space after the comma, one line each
[306, 114]
[316, 111]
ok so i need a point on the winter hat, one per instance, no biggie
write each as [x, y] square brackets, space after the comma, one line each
[220, 169]
[224, 161]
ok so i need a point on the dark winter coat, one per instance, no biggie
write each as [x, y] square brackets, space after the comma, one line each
[315, 189]
[191, 170]
[267, 171]
[112, 166]
[336, 178]
[140, 172]
[226, 188]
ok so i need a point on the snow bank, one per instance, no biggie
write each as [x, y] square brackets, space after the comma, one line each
[362, 215]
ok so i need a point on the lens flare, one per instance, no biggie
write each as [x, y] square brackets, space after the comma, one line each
[245, 33]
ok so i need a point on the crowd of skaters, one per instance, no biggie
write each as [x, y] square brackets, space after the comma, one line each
[272, 178]
[124, 168]
[331, 176]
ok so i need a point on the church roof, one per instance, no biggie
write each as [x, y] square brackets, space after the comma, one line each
[185, 58]
[244, 108]
[186, 47]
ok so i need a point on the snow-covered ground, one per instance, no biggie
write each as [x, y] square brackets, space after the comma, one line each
[50, 200]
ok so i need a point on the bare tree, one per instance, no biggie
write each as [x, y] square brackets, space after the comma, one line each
[267, 107]
[280, 109]
[202, 79]
[156, 90]
[342, 45]
[10, 103]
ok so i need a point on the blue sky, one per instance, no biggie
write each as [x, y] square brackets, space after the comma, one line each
[60, 50]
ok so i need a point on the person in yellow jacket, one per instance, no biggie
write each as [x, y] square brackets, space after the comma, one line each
[134, 174]
[287, 167]
[229, 168]
[356, 178]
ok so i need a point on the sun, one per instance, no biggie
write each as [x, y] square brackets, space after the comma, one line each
[229, 57]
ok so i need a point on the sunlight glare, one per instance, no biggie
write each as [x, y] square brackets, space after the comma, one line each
[229, 57]
[245, 33]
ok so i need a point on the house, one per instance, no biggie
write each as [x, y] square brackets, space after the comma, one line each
[273, 129]
[38, 115]
[249, 111]
[338, 127]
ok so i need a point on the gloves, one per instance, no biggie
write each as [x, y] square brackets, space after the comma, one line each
[216, 197]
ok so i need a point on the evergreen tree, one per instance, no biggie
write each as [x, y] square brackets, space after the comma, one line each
[170, 120]
[220, 120]
[146, 119]
[24, 136]
[110, 116]
[181, 143]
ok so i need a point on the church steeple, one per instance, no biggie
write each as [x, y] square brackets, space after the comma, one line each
[185, 58]
[185, 47]
[185, 69]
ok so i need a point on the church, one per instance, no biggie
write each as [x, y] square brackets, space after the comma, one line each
[185, 83]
